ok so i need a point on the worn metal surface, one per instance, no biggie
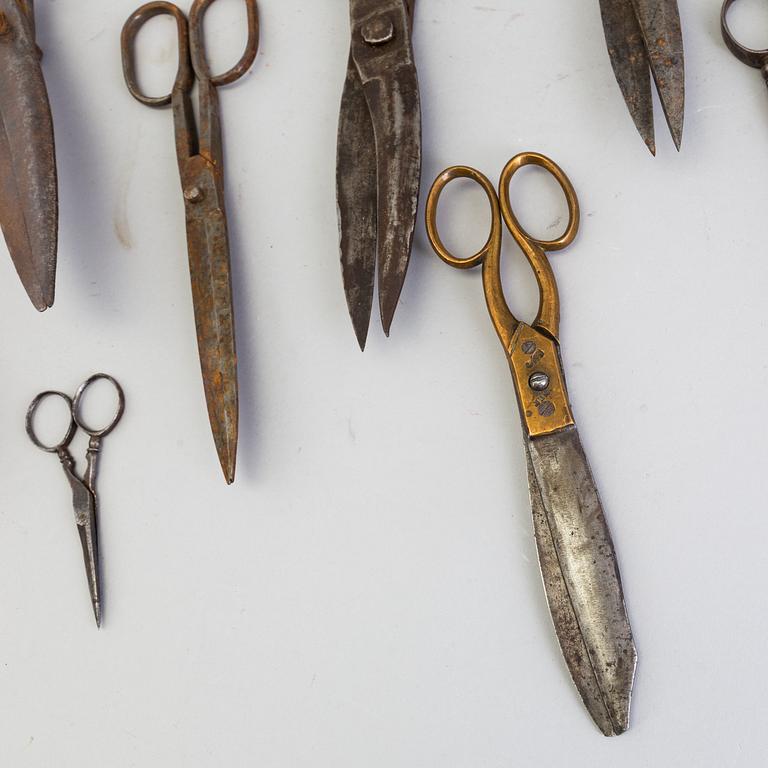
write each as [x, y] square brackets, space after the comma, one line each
[749, 56]
[201, 169]
[581, 577]
[84, 496]
[378, 170]
[29, 207]
[577, 559]
[644, 37]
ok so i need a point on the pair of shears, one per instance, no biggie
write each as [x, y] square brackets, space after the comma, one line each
[378, 167]
[644, 37]
[201, 167]
[29, 202]
[749, 56]
[576, 554]
[84, 496]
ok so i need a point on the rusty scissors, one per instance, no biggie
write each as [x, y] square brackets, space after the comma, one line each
[201, 167]
[84, 496]
[576, 554]
[29, 202]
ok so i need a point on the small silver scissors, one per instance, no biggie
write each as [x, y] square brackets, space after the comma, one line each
[84, 498]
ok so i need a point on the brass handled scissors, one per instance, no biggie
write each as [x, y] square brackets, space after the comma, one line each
[576, 554]
[748, 56]
[201, 167]
[84, 496]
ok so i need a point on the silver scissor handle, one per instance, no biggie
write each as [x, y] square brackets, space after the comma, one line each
[30, 422]
[77, 401]
[749, 56]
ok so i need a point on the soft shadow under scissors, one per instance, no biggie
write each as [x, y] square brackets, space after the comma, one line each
[84, 497]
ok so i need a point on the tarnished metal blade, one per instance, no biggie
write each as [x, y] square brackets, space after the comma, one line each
[356, 202]
[581, 577]
[660, 25]
[209, 266]
[393, 100]
[28, 188]
[84, 505]
[627, 51]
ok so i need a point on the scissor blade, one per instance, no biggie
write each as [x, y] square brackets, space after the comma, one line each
[356, 201]
[209, 266]
[28, 187]
[581, 577]
[84, 505]
[659, 22]
[383, 54]
[629, 59]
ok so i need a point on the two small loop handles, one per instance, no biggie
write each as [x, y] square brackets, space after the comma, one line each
[501, 208]
[749, 56]
[76, 420]
[192, 59]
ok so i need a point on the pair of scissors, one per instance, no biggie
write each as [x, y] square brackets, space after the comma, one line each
[29, 202]
[201, 168]
[576, 554]
[749, 56]
[84, 496]
[644, 37]
[378, 165]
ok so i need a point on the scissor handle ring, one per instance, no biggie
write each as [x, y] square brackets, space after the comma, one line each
[749, 56]
[78, 399]
[574, 215]
[184, 74]
[197, 44]
[29, 422]
[494, 238]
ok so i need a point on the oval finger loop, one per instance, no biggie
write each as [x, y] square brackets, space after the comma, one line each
[433, 200]
[131, 29]
[749, 56]
[30, 425]
[78, 401]
[197, 41]
[517, 229]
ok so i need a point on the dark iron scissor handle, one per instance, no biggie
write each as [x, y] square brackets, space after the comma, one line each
[192, 58]
[77, 401]
[749, 56]
[30, 427]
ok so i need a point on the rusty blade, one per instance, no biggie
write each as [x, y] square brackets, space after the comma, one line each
[28, 185]
[627, 51]
[581, 577]
[209, 266]
[382, 53]
[356, 201]
[660, 24]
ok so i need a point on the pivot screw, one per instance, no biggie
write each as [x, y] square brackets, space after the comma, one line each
[529, 347]
[538, 382]
[193, 194]
[378, 31]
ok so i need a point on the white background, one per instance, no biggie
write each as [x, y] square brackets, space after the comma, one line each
[367, 593]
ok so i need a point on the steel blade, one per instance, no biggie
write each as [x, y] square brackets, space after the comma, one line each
[629, 59]
[581, 577]
[28, 185]
[659, 22]
[383, 54]
[209, 266]
[356, 202]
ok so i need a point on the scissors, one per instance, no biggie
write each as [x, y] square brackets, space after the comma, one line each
[748, 56]
[29, 203]
[378, 166]
[644, 37]
[201, 167]
[84, 496]
[576, 554]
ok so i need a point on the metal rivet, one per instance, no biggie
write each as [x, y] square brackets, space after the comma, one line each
[193, 194]
[538, 382]
[529, 347]
[378, 31]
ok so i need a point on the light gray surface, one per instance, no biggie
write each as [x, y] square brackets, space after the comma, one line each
[355, 599]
